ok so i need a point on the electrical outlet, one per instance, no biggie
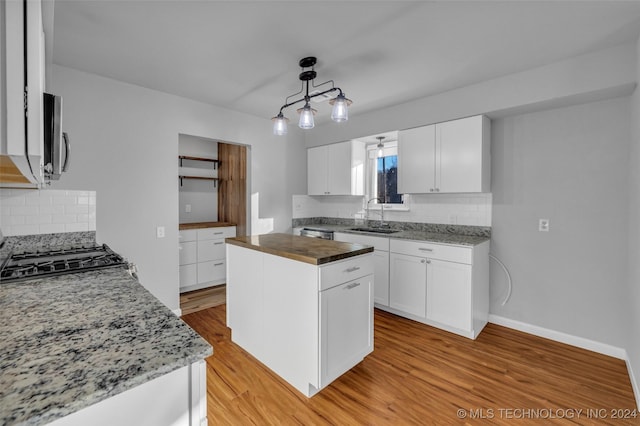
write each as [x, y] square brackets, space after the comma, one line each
[543, 225]
[187, 208]
[160, 232]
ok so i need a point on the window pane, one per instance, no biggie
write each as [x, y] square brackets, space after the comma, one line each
[387, 177]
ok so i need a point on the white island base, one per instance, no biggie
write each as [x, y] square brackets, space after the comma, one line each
[308, 323]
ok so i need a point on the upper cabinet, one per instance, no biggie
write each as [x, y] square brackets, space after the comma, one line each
[22, 78]
[449, 157]
[336, 169]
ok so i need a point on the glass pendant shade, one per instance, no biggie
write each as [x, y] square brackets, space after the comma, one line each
[306, 117]
[340, 110]
[280, 125]
[380, 150]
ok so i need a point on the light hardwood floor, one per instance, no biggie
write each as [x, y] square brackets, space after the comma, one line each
[419, 375]
[198, 300]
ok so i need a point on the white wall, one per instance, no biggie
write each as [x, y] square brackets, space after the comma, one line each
[200, 195]
[633, 336]
[568, 165]
[125, 146]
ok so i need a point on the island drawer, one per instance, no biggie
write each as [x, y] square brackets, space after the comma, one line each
[433, 251]
[339, 272]
[215, 233]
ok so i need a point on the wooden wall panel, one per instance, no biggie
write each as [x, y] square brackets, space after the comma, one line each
[232, 193]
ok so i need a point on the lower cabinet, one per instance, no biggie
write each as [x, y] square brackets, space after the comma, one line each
[202, 257]
[449, 294]
[407, 291]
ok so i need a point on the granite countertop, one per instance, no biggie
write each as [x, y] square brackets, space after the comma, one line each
[73, 340]
[437, 234]
[304, 249]
[201, 225]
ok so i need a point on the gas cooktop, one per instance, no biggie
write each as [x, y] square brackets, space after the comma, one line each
[27, 265]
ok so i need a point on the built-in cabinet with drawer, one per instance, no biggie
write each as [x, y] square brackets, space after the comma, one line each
[336, 169]
[202, 257]
[443, 285]
[449, 157]
[380, 259]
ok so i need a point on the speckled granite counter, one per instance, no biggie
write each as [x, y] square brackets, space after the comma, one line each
[437, 233]
[309, 250]
[70, 341]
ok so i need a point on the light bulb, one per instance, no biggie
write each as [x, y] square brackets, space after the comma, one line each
[280, 125]
[340, 110]
[306, 117]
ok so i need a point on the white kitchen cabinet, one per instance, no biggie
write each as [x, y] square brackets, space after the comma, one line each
[407, 289]
[449, 157]
[202, 257]
[22, 75]
[442, 285]
[308, 323]
[346, 324]
[380, 259]
[336, 169]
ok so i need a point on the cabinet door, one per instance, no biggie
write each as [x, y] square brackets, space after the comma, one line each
[211, 271]
[408, 283]
[346, 327]
[188, 275]
[188, 252]
[416, 160]
[449, 294]
[339, 169]
[211, 250]
[317, 170]
[381, 281]
[459, 148]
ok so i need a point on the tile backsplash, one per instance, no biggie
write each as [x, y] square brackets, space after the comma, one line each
[451, 209]
[26, 212]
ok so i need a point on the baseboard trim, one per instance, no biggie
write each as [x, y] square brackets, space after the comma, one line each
[177, 312]
[634, 384]
[580, 342]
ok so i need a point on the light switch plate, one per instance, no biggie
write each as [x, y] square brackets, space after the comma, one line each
[160, 232]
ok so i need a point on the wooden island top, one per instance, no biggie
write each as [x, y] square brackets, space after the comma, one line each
[303, 249]
[201, 225]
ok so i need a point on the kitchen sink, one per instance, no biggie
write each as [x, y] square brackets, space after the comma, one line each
[375, 230]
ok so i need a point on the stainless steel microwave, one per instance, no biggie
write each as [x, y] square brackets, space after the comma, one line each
[56, 142]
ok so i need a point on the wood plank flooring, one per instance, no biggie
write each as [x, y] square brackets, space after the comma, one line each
[419, 375]
[194, 301]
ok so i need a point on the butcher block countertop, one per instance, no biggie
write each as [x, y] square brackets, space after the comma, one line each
[201, 225]
[303, 249]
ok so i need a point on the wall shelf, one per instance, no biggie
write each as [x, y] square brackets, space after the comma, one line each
[216, 164]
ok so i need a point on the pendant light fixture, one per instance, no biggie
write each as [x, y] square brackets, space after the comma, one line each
[380, 146]
[340, 103]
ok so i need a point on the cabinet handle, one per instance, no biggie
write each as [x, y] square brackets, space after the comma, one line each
[423, 261]
[430, 189]
[350, 286]
[217, 244]
[218, 233]
[352, 269]
[428, 261]
[218, 264]
[437, 189]
[425, 249]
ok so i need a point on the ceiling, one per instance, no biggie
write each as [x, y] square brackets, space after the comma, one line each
[243, 55]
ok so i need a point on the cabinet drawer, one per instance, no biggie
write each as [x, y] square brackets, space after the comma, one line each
[211, 271]
[345, 270]
[187, 252]
[188, 275]
[187, 235]
[216, 233]
[379, 243]
[432, 251]
[211, 250]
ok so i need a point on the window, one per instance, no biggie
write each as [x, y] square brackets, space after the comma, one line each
[382, 174]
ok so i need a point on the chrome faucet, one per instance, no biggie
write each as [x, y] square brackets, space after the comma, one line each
[381, 210]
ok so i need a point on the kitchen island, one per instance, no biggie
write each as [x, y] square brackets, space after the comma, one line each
[301, 306]
[96, 348]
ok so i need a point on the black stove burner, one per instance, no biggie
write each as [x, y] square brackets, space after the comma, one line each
[60, 261]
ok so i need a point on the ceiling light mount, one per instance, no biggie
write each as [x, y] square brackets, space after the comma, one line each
[340, 103]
